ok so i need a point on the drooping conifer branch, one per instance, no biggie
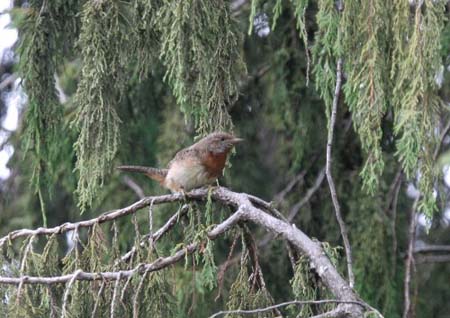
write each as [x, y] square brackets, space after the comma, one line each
[366, 69]
[103, 40]
[245, 211]
[416, 102]
[202, 70]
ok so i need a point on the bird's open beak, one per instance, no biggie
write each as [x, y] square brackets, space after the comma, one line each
[236, 140]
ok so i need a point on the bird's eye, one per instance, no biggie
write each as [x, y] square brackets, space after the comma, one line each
[222, 139]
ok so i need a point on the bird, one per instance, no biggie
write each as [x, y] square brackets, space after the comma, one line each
[192, 167]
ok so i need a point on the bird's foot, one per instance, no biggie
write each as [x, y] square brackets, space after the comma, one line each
[182, 192]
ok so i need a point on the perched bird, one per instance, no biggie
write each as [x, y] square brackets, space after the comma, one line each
[193, 167]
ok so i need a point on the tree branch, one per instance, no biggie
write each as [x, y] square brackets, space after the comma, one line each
[410, 259]
[433, 259]
[293, 302]
[158, 234]
[246, 211]
[309, 193]
[130, 183]
[108, 216]
[432, 248]
[159, 264]
[337, 207]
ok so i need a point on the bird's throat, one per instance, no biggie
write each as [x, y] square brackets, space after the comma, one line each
[214, 163]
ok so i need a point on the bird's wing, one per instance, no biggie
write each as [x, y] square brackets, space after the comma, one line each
[191, 153]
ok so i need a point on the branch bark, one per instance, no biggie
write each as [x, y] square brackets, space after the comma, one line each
[293, 302]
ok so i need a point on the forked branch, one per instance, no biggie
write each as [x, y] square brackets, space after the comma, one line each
[247, 207]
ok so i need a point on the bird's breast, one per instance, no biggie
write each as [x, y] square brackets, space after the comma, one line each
[186, 175]
[214, 163]
[192, 172]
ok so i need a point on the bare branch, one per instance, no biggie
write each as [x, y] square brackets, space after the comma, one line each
[441, 141]
[99, 294]
[246, 211]
[114, 297]
[410, 259]
[335, 313]
[108, 216]
[392, 201]
[293, 302]
[130, 183]
[160, 263]
[337, 207]
[433, 259]
[288, 188]
[432, 248]
[309, 193]
[158, 234]
[72, 280]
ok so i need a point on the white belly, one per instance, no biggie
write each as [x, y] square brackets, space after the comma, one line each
[186, 177]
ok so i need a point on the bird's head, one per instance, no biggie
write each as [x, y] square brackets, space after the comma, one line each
[220, 142]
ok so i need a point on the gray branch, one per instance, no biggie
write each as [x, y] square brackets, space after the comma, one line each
[246, 211]
[294, 302]
[337, 207]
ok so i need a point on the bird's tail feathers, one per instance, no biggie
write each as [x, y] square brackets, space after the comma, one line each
[153, 173]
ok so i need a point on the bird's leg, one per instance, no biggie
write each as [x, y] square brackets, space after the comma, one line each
[183, 193]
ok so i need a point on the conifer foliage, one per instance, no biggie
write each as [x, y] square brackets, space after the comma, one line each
[146, 77]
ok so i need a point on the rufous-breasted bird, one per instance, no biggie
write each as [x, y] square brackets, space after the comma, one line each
[193, 167]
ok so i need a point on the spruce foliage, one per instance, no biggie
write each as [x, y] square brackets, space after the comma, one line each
[146, 78]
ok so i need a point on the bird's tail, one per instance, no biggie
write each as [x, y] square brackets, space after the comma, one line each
[153, 173]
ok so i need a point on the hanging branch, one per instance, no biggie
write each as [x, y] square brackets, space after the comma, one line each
[337, 207]
[410, 259]
[246, 210]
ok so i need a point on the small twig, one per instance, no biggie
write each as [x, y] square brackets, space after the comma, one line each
[392, 201]
[114, 297]
[433, 259]
[410, 259]
[296, 208]
[441, 141]
[288, 188]
[124, 289]
[129, 182]
[432, 248]
[136, 295]
[334, 313]
[67, 292]
[27, 250]
[19, 290]
[266, 206]
[99, 294]
[150, 224]
[157, 235]
[223, 268]
[309, 193]
[52, 301]
[334, 198]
